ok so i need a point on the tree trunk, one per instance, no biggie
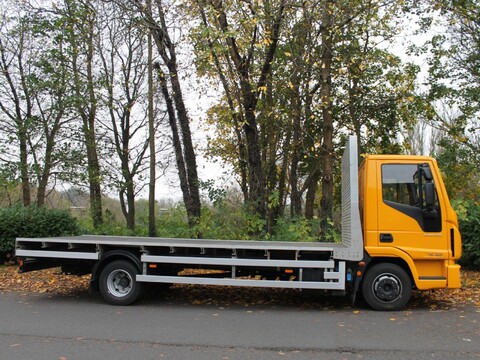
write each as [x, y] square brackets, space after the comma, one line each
[237, 116]
[249, 98]
[93, 175]
[26, 193]
[128, 206]
[87, 109]
[187, 163]
[152, 230]
[93, 163]
[295, 194]
[326, 202]
[270, 135]
[255, 170]
[282, 179]
[177, 145]
[44, 177]
[18, 116]
[311, 187]
[193, 205]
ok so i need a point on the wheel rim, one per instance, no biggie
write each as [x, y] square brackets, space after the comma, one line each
[119, 283]
[387, 288]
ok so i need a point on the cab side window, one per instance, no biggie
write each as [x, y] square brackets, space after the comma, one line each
[404, 189]
[399, 185]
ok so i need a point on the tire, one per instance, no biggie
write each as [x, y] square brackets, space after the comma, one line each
[118, 284]
[386, 287]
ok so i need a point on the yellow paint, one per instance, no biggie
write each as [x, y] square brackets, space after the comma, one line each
[453, 271]
[428, 255]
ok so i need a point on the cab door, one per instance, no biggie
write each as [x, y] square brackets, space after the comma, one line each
[410, 217]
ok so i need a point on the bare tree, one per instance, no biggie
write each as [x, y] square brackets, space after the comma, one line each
[152, 231]
[34, 97]
[16, 101]
[122, 48]
[249, 70]
[80, 26]
[169, 78]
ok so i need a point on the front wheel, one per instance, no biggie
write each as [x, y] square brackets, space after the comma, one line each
[118, 284]
[386, 287]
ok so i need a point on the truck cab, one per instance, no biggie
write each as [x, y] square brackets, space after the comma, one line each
[407, 220]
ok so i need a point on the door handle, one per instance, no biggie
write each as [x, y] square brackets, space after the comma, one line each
[386, 238]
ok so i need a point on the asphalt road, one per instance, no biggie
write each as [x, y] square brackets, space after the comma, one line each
[52, 327]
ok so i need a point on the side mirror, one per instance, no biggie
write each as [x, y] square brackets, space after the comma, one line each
[427, 172]
[429, 195]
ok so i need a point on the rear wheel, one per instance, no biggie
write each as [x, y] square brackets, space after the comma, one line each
[118, 284]
[386, 287]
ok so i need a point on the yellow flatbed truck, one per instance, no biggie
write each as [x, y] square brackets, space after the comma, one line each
[399, 232]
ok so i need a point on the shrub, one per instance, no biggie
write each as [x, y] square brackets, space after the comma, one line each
[33, 222]
[469, 221]
[303, 230]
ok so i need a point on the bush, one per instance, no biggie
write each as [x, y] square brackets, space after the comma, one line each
[298, 229]
[469, 221]
[33, 222]
[303, 230]
[220, 221]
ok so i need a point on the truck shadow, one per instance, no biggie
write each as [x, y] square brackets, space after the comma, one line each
[226, 296]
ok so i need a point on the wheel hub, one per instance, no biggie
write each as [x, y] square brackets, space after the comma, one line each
[387, 287]
[119, 283]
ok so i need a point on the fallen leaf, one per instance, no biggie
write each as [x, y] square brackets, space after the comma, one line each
[226, 296]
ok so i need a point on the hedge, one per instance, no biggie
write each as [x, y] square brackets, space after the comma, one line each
[469, 218]
[32, 221]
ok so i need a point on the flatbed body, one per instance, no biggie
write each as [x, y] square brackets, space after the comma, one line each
[239, 260]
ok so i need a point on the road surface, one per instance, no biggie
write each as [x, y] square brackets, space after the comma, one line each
[46, 327]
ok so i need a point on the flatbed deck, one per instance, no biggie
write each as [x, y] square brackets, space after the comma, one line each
[179, 242]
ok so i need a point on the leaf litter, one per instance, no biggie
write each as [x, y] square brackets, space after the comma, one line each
[53, 281]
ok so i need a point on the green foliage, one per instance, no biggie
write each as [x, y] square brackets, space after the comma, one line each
[298, 229]
[215, 195]
[232, 222]
[454, 78]
[460, 170]
[224, 222]
[224, 219]
[173, 222]
[469, 218]
[220, 221]
[32, 221]
[108, 228]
